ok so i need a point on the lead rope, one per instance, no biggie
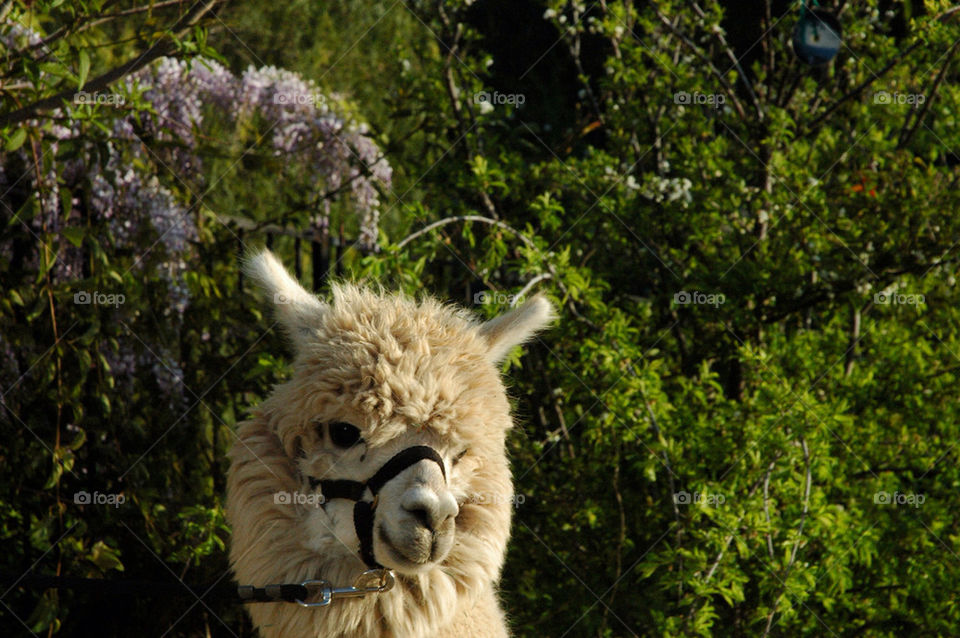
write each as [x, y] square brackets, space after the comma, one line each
[384, 582]
[372, 581]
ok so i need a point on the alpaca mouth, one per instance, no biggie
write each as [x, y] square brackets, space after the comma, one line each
[398, 554]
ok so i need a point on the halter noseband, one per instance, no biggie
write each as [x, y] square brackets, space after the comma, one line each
[363, 511]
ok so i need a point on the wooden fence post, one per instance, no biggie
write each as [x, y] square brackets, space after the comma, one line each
[321, 259]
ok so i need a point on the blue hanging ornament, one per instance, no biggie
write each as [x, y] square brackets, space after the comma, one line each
[817, 36]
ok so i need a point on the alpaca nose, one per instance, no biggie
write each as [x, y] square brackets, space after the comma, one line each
[429, 509]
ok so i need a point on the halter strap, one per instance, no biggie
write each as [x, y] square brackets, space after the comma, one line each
[401, 461]
[363, 511]
[351, 490]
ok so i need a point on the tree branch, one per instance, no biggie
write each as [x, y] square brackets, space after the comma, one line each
[530, 284]
[718, 33]
[85, 23]
[526, 240]
[706, 61]
[723, 550]
[157, 50]
[905, 137]
[809, 126]
[796, 546]
[766, 506]
[854, 339]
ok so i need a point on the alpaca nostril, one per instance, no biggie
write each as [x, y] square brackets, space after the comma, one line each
[430, 509]
[422, 517]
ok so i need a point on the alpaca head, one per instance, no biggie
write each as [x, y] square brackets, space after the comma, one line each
[411, 390]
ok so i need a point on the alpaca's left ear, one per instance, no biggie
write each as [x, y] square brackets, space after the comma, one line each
[297, 310]
[516, 326]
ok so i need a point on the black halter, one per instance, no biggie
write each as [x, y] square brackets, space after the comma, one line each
[363, 511]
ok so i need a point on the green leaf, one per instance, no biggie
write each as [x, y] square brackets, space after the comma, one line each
[45, 613]
[84, 60]
[66, 201]
[104, 557]
[16, 140]
[39, 307]
[78, 441]
[55, 473]
[74, 235]
[56, 69]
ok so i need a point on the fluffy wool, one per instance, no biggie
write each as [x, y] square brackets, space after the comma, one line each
[405, 373]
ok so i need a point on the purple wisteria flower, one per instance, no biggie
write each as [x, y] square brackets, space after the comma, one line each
[111, 180]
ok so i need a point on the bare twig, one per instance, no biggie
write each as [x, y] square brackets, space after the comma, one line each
[670, 474]
[513, 231]
[767, 43]
[796, 546]
[453, 93]
[571, 451]
[530, 284]
[854, 339]
[573, 45]
[467, 218]
[766, 506]
[705, 60]
[718, 33]
[77, 25]
[723, 550]
[621, 537]
[931, 95]
[809, 127]
[85, 23]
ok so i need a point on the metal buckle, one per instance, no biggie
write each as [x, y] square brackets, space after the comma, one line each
[385, 580]
[326, 593]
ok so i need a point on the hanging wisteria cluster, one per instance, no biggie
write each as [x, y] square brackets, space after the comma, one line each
[146, 216]
[301, 128]
[338, 155]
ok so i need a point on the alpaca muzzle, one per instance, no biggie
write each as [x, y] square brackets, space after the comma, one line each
[364, 510]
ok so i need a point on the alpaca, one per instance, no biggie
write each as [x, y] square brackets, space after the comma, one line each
[374, 375]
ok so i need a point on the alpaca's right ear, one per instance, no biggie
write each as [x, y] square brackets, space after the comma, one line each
[516, 326]
[297, 310]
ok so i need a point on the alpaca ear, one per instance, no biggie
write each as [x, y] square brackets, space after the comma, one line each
[297, 310]
[516, 326]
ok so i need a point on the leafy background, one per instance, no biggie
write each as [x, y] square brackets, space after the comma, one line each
[819, 204]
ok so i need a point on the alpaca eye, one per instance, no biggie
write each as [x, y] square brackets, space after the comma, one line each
[343, 434]
[459, 456]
